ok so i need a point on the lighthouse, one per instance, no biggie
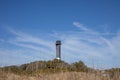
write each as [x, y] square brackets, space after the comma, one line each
[58, 49]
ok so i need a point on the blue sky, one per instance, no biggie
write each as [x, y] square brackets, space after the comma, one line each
[89, 31]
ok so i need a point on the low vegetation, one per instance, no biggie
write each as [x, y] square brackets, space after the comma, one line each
[57, 70]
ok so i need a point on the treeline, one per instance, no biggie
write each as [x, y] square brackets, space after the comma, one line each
[54, 66]
[51, 66]
[113, 72]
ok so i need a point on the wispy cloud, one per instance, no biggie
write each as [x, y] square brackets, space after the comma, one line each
[81, 26]
[90, 44]
[32, 42]
[86, 45]
[20, 56]
[25, 48]
[22, 37]
[93, 34]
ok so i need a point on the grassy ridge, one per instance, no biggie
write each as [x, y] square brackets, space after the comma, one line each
[47, 66]
[57, 70]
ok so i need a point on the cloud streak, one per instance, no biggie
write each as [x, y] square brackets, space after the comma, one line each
[81, 26]
[91, 44]
[86, 45]
[28, 41]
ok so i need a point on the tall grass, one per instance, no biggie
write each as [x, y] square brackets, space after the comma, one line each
[52, 74]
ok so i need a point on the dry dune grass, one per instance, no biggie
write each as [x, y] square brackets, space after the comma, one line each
[62, 75]
[55, 76]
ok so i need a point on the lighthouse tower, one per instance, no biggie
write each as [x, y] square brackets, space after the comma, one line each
[58, 49]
